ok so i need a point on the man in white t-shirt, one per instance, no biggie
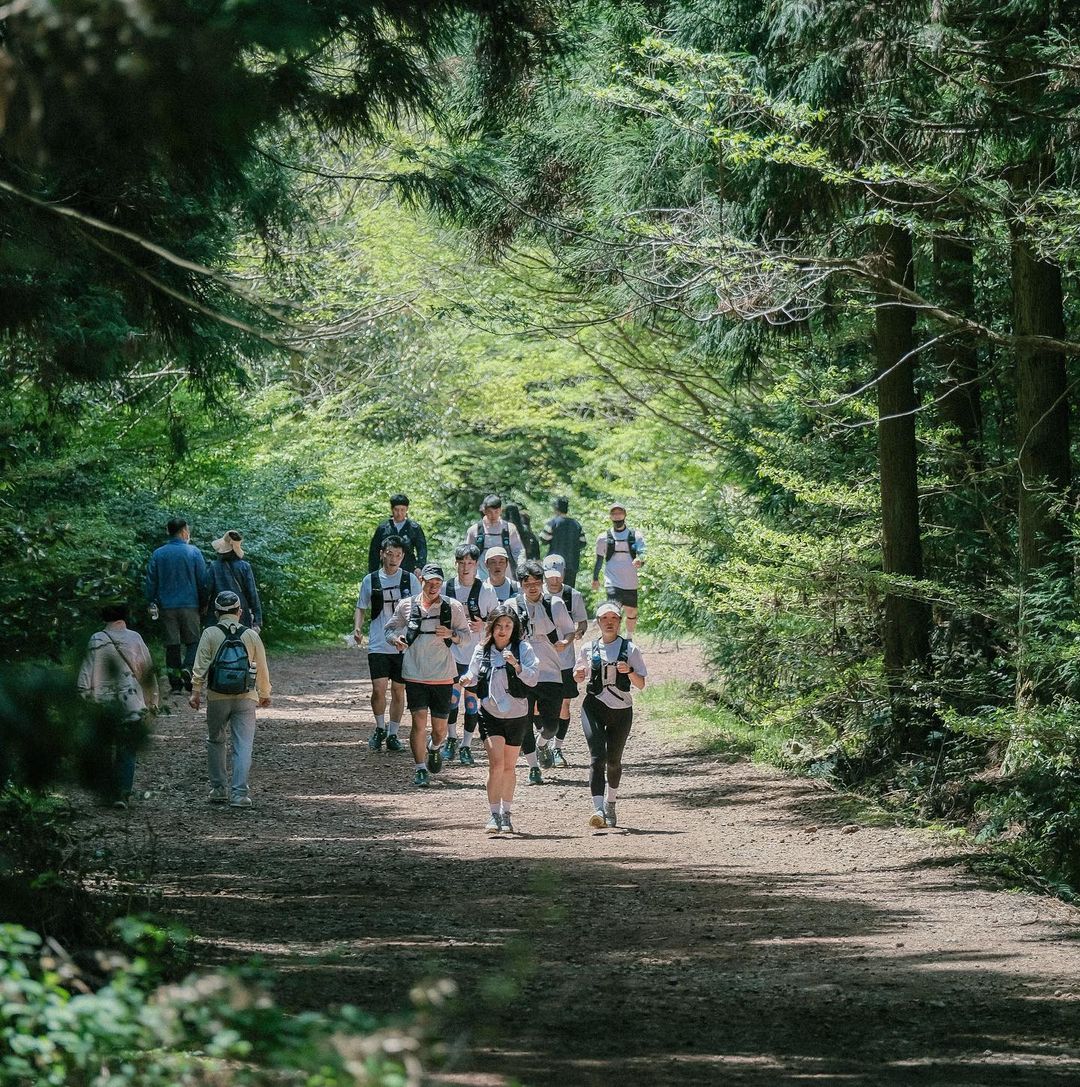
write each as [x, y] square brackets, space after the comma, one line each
[620, 551]
[479, 602]
[492, 531]
[554, 566]
[499, 580]
[612, 665]
[380, 593]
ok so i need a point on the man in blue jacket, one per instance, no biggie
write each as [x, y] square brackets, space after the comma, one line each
[177, 585]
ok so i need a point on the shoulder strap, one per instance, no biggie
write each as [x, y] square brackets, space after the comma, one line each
[624, 650]
[480, 535]
[450, 588]
[121, 654]
[506, 537]
[568, 599]
[610, 545]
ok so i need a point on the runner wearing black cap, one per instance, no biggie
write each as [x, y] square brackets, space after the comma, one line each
[425, 628]
[410, 533]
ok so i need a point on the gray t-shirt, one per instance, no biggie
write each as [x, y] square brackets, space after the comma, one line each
[620, 571]
[391, 595]
[493, 537]
[503, 592]
[428, 659]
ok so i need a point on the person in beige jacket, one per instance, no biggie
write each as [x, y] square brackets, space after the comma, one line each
[235, 712]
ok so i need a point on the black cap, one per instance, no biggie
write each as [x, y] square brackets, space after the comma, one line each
[493, 502]
[432, 569]
[562, 504]
[227, 601]
[399, 500]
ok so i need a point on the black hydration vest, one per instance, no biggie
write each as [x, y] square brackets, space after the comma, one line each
[522, 607]
[412, 628]
[514, 685]
[596, 682]
[377, 587]
[631, 543]
[480, 537]
[472, 601]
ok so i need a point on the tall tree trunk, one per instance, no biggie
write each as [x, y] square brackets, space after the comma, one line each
[1042, 412]
[907, 620]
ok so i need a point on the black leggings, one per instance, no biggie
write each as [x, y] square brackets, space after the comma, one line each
[545, 703]
[606, 732]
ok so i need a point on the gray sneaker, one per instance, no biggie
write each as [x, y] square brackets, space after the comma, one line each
[507, 823]
[493, 825]
[217, 795]
[596, 820]
[240, 802]
[609, 815]
[545, 756]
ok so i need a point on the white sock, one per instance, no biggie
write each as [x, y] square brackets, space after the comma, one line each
[494, 809]
[541, 741]
[451, 730]
[611, 794]
[598, 803]
[466, 740]
[421, 766]
[380, 720]
[531, 759]
[505, 808]
[558, 744]
[393, 727]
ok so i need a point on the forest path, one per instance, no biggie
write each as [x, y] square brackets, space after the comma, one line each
[728, 932]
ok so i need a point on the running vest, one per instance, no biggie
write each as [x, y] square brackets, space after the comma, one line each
[630, 541]
[472, 601]
[514, 685]
[412, 628]
[505, 538]
[378, 591]
[522, 607]
[597, 679]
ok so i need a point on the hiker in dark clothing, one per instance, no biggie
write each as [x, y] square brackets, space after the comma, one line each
[230, 572]
[517, 516]
[564, 536]
[412, 537]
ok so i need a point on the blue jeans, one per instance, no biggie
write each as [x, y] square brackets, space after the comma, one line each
[238, 716]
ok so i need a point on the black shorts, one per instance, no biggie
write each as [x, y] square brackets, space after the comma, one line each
[569, 687]
[429, 696]
[385, 666]
[545, 703]
[626, 597]
[511, 729]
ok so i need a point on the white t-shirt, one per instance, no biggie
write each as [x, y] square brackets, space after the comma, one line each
[609, 656]
[391, 595]
[499, 702]
[620, 571]
[487, 602]
[493, 537]
[539, 627]
[579, 615]
[503, 592]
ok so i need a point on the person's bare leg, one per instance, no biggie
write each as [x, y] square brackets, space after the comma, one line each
[495, 745]
[378, 697]
[418, 737]
[509, 775]
[631, 620]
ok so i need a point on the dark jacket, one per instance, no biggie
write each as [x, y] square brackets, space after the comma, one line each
[565, 536]
[413, 537]
[229, 572]
[176, 576]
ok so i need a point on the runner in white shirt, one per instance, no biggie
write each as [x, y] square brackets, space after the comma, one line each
[479, 602]
[498, 579]
[548, 629]
[612, 665]
[384, 659]
[502, 671]
[554, 566]
[620, 551]
[492, 531]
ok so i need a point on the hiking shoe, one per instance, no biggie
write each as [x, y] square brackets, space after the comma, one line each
[544, 756]
[450, 748]
[217, 795]
[185, 678]
[465, 756]
[393, 743]
[535, 777]
[120, 803]
[176, 686]
[421, 778]
[559, 759]
[507, 823]
[493, 825]
[434, 760]
[609, 816]
[376, 741]
[240, 802]
[596, 820]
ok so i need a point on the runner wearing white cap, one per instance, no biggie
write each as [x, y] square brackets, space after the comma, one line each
[612, 665]
[620, 551]
[575, 604]
[498, 577]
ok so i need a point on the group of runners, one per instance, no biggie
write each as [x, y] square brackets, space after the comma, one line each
[500, 648]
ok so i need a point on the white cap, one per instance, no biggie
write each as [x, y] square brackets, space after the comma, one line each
[617, 506]
[609, 607]
[555, 562]
[496, 553]
[553, 573]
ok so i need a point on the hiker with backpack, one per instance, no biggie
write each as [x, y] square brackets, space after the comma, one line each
[563, 535]
[548, 629]
[425, 628]
[501, 672]
[554, 586]
[479, 602]
[620, 551]
[492, 531]
[498, 579]
[230, 571]
[612, 665]
[231, 663]
[408, 531]
[380, 594]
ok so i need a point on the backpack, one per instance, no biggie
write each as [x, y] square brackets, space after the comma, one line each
[631, 544]
[505, 539]
[232, 670]
[412, 629]
[472, 601]
[596, 682]
[514, 686]
[377, 587]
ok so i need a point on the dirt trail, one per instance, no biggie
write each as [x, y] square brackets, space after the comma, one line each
[729, 932]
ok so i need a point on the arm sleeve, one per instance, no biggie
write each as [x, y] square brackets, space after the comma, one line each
[598, 565]
[530, 666]
[147, 677]
[363, 599]
[582, 541]
[564, 623]
[85, 682]
[202, 579]
[640, 543]
[373, 550]
[470, 535]
[421, 545]
[460, 619]
[262, 669]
